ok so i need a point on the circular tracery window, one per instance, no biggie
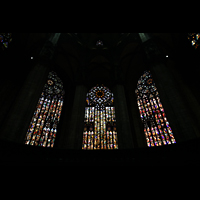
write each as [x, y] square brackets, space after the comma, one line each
[149, 81]
[145, 85]
[54, 84]
[100, 95]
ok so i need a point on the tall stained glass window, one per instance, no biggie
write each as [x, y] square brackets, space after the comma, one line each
[99, 122]
[43, 126]
[156, 126]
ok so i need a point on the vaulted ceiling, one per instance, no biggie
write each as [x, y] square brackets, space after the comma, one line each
[76, 52]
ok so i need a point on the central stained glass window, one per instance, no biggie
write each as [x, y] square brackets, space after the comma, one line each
[99, 122]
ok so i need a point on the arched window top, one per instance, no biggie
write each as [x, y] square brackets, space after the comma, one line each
[146, 86]
[100, 96]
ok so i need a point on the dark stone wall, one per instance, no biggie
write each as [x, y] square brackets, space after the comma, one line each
[19, 116]
[73, 131]
[125, 140]
[179, 103]
[135, 70]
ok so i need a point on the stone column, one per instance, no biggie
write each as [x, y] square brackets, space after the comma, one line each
[75, 134]
[18, 120]
[136, 123]
[174, 103]
[125, 140]
[192, 105]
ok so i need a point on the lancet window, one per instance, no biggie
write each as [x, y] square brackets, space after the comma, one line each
[99, 122]
[156, 126]
[43, 126]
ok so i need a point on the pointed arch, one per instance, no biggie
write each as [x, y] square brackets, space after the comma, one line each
[99, 122]
[156, 126]
[43, 126]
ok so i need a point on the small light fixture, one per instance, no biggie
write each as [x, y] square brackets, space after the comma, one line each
[99, 43]
[167, 56]
[31, 58]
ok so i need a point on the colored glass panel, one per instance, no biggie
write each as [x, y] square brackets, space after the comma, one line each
[194, 39]
[43, 126]
[100, 116]
[5, 39]
[156, 127]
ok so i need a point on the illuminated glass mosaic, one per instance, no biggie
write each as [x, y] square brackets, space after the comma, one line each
[99, 121]
[5, 39]
[43, 126]
[194, 38]
[156, 126]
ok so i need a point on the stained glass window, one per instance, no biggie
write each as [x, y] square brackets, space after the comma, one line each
[156, 126]
[5, 39]
[194, 38]
[43, 126]
[99, 122]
